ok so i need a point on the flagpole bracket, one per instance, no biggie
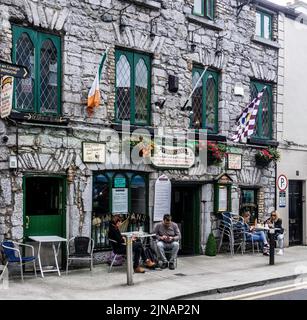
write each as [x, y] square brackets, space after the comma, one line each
[240, 5]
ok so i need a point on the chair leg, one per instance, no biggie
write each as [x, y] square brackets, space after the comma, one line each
[67, 266]
[21, 272]
[111, 265]
[91, 265]
[34, 267]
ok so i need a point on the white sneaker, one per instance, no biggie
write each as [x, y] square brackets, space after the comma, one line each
[280, 252]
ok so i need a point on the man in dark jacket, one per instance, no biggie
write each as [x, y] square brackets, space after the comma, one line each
[120, 246]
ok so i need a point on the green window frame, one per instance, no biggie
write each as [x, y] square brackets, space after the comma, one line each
[41, 91]
[204, 8]
[264, 120]
[103, 183]
[264, 25]
[205, 100]
[133, 87]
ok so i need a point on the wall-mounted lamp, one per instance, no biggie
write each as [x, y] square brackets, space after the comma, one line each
[193, 44]
[153, 23]
[160, 104]
[121, 24]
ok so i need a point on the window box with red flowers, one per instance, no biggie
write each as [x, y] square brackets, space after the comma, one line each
[264, 157]
[215, 153]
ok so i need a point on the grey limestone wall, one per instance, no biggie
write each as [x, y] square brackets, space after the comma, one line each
[87, 28]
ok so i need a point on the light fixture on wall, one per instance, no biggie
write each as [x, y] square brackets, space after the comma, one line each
[153, 22]
[121, 24]
[193, 44]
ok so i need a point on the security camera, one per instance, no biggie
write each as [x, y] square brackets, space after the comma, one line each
[5, 139]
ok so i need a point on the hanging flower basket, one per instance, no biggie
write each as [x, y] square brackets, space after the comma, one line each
[215, 153]
[264, 157]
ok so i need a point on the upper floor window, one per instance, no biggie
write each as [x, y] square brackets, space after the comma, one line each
[205, 101]
[41, 54]
[263, 127]
[204, 8]
[264, 25]
[133, 85]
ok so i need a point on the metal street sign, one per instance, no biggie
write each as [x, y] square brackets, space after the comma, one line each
[13, 70]
[282, 182]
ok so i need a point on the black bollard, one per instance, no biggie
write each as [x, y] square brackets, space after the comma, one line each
[272, 245]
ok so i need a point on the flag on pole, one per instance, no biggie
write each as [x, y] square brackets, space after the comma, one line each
[93, 98]
[247, 119]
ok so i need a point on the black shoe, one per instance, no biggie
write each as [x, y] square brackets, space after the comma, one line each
[171, 266]
[164, 265]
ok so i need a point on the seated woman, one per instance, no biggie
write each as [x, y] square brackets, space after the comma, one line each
[120, 248]
[251, 234]
[275, 222]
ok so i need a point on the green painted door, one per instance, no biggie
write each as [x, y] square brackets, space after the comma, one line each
[185, 212]
[44, 206]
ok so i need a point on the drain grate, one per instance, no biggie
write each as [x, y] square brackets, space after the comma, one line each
[180, 274]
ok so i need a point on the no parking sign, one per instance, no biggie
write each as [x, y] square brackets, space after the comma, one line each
[282, 182]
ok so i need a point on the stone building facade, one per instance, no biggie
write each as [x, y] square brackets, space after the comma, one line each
[176, 41]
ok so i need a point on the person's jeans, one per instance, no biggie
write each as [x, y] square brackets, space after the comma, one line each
[162, 246]
[259, 236]
[280, 240]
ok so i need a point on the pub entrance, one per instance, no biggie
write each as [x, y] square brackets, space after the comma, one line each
[185, 209]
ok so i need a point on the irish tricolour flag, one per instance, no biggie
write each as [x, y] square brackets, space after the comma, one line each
[93, 98]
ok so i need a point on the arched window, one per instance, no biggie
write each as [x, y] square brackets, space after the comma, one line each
[263, 127]
[205, 101]
[123, 88]
[138, 195]
[132, 87]
[48, 77]
[141, 91]
[25, 87]
[41, 54]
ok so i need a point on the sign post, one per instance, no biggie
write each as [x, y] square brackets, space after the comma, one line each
[9, 71]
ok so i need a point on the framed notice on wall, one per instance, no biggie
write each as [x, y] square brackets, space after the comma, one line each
[234, 161]
[162, 204]
[94, 152]
[119, 200]
[223, 198]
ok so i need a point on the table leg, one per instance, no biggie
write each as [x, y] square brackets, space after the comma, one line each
[56, 257]
[272, 247]
[129, 261]
[39, 259]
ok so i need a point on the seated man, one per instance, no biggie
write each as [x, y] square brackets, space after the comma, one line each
[276, 222]
[251, 234]
[120, 247]
[168, 235]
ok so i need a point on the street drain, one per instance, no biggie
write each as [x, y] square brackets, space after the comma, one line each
[180, 274]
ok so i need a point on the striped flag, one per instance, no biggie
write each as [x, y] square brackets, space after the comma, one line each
[93, 98]
[247, 120]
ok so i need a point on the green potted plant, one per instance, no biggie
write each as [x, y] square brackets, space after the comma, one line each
[211, 246]
[265, 156]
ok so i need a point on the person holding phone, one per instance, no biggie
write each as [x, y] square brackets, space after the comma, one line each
[168, 236]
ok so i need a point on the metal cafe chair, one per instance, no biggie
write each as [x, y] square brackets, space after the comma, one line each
[80, 248]
[116, 255]
[11, 250]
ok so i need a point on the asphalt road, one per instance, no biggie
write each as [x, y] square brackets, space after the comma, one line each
[286, 290]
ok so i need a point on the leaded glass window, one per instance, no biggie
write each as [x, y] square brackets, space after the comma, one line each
[132, 87]
[41, 54]
[25, 87]
[205, 101]
[263, 127]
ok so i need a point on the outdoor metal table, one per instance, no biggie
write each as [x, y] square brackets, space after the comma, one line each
[53, 240]
[129, 236]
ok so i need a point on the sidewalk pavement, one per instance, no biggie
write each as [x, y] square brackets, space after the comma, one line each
[193, 274]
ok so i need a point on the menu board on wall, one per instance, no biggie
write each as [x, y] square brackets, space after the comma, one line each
[119, 200]
[223, 199]
[162, 204]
